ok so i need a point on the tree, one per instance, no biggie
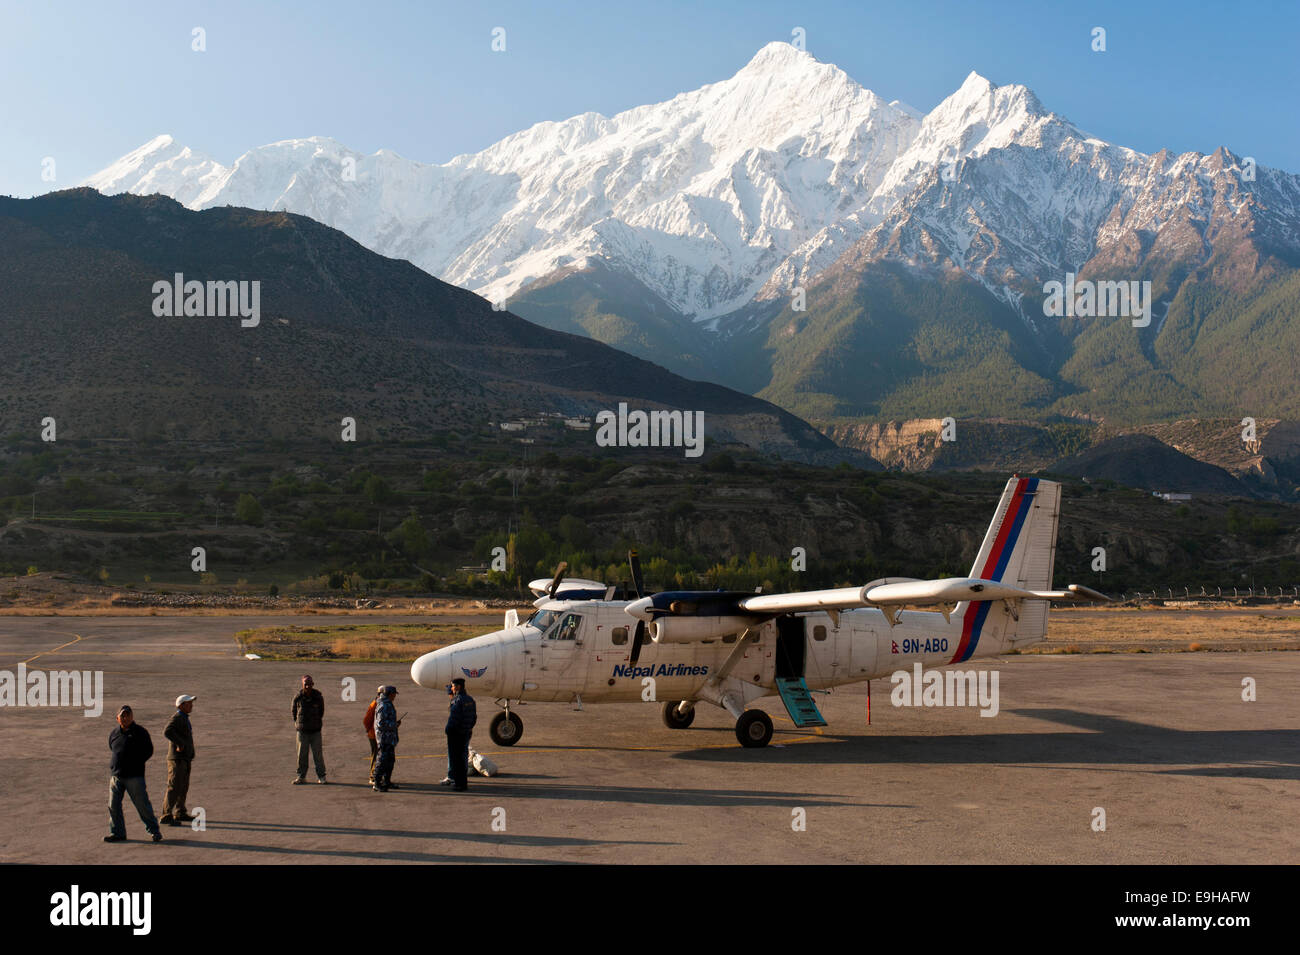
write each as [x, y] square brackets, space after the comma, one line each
[528, 548]
[575, 532]
[411, 536]
[377, 490]
[248, 511]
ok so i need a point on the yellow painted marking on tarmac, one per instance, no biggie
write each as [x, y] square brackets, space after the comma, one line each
[76, 638]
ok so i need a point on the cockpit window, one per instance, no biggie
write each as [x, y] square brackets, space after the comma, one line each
[541, 619]
[566, 628]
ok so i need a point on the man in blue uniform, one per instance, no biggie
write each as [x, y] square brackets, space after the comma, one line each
[131, 748]
[460, 724]
[386, 724]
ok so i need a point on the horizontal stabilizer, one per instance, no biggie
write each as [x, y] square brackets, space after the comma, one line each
[1074, 592]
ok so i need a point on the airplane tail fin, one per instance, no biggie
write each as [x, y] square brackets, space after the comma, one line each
[1019, 549]
[1020, 545]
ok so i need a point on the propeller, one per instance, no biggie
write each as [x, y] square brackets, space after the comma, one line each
[634, 561]
[559, 576]
[638, 638]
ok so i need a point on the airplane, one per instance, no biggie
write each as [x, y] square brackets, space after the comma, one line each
[729, 649]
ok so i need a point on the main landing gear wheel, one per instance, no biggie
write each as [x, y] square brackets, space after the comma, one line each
[753, 729]
[675, 720]
[506, 728]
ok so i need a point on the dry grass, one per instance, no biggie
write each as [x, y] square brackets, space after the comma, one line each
[366, 643]
[96, 609]
[1153, 631]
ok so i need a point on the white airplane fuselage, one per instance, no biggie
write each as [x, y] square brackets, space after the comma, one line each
[522, 663]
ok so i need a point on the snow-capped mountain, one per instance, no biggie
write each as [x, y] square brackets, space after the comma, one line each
[1036, 198]
[654, 227]
[162, 166]
[742, 188]
[703, 198]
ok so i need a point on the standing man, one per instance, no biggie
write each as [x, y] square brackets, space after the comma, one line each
[368, 721]
[386, 724]
[180, 752]
[460, 723]
[447, 780]
[131, 748]
[309, 717]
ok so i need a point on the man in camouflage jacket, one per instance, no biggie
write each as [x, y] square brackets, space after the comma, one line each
[386, 724]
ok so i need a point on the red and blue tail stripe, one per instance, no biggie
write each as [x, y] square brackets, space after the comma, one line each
[996, 565]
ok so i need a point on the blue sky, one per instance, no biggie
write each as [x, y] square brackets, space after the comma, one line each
[87, 82]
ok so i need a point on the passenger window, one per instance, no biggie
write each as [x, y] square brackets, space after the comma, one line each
[619, 636]
[819, 632]
[729, 638]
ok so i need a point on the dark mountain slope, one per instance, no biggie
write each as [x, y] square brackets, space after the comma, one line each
[1139, 460]
[342, 331]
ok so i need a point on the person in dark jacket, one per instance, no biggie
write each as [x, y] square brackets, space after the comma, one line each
[180, 753]
[309, 717]
[460, 724]
[386, 724]
[131, 748]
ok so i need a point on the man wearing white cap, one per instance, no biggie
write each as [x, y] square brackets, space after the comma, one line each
[180, 752]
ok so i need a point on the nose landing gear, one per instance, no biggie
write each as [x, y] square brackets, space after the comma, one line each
[674, 718]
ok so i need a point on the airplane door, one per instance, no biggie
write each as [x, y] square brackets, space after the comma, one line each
[791, 646]
[532, 660]
[864, 652]
[564, 655]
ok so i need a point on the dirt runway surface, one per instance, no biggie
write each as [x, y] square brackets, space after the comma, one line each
[1185, 770]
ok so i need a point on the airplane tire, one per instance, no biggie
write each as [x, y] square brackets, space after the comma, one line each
[506, 728]
[754, 729]
[674, 720]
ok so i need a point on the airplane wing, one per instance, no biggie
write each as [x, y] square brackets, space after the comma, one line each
[915, 593]
[568, 587]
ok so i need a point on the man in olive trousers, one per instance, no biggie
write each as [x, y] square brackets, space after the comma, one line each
[180, 753]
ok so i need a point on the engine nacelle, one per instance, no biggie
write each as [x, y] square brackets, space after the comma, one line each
[693, 629]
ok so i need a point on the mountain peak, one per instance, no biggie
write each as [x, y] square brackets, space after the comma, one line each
[975, 84]
[978, 102]
[154, 149]
[781, 78]
[160, 165]
[778, 55]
